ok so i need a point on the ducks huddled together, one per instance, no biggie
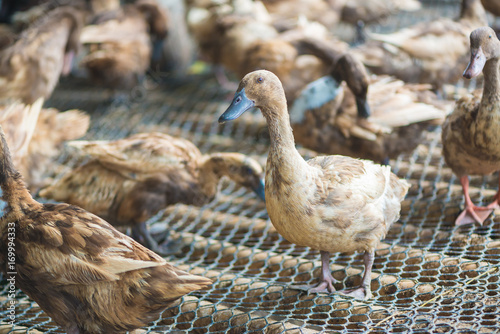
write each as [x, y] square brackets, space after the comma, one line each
[312, 89]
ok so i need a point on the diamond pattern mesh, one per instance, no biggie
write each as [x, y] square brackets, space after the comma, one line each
[429, 276]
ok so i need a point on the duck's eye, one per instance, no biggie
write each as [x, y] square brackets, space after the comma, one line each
[489, 36]
[260, 79]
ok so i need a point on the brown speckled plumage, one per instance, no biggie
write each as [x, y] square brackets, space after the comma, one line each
[471, 134]
[119, 43]
[88, 277]
[129, 180]
[330, 203]
[30, 68]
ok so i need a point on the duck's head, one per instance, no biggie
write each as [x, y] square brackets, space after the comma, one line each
[240, 168]
[484, 45]
[351, 70]
[257, 89]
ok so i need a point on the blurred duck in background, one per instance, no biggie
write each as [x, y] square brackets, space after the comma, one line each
[127, 181]
[120, 44]
[429, 52]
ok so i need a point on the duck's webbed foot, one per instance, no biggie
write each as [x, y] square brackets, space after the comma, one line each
[141, 234]
[327, 280]
[474, 214]
[361, 293]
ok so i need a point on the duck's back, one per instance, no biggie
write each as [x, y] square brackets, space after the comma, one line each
[82, 271]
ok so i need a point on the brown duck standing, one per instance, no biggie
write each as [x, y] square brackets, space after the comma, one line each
[331, 203]
[88, 277]
[471, 134]
[129, 180]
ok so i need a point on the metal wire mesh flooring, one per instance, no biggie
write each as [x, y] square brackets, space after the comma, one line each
[429, 275]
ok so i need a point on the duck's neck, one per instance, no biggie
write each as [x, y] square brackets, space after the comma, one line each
[491, 86]
[282, 151]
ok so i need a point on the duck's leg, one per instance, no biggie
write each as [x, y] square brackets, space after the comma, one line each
[327, 280]
[364, 291]
[496, 200]
[472, 213]
[141, 234]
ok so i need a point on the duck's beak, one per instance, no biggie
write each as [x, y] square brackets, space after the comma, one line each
[239, 105]
[261, 190]
[476, 64]
[363, 107]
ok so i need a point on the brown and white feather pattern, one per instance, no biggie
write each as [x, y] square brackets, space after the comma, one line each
[87, 276]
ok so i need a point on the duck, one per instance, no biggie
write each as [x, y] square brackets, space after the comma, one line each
[121, 43]
[81, 271]
[223, 32]
[37, 136]
[129, 180]
[428, 52]
[470, 134]
[30, 68]
[329, 203]
[374, 11]
[326, 118]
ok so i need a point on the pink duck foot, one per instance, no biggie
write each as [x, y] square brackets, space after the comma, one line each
[475, 214]
[360, 293]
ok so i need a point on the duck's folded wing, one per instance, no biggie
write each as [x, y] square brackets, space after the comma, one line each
[145, 154]
[358, 180]
[72, 246]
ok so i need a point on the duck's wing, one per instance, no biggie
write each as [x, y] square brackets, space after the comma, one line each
[115, 26]
[358, 180]
[443, 38]
[396, 104]
[358, 195]
[73, 246]
[143, 154]
[90, 186]
[456, 128]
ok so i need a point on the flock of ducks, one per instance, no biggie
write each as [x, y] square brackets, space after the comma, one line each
[311, 88]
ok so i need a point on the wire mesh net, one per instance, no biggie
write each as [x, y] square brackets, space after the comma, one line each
[428, 275]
